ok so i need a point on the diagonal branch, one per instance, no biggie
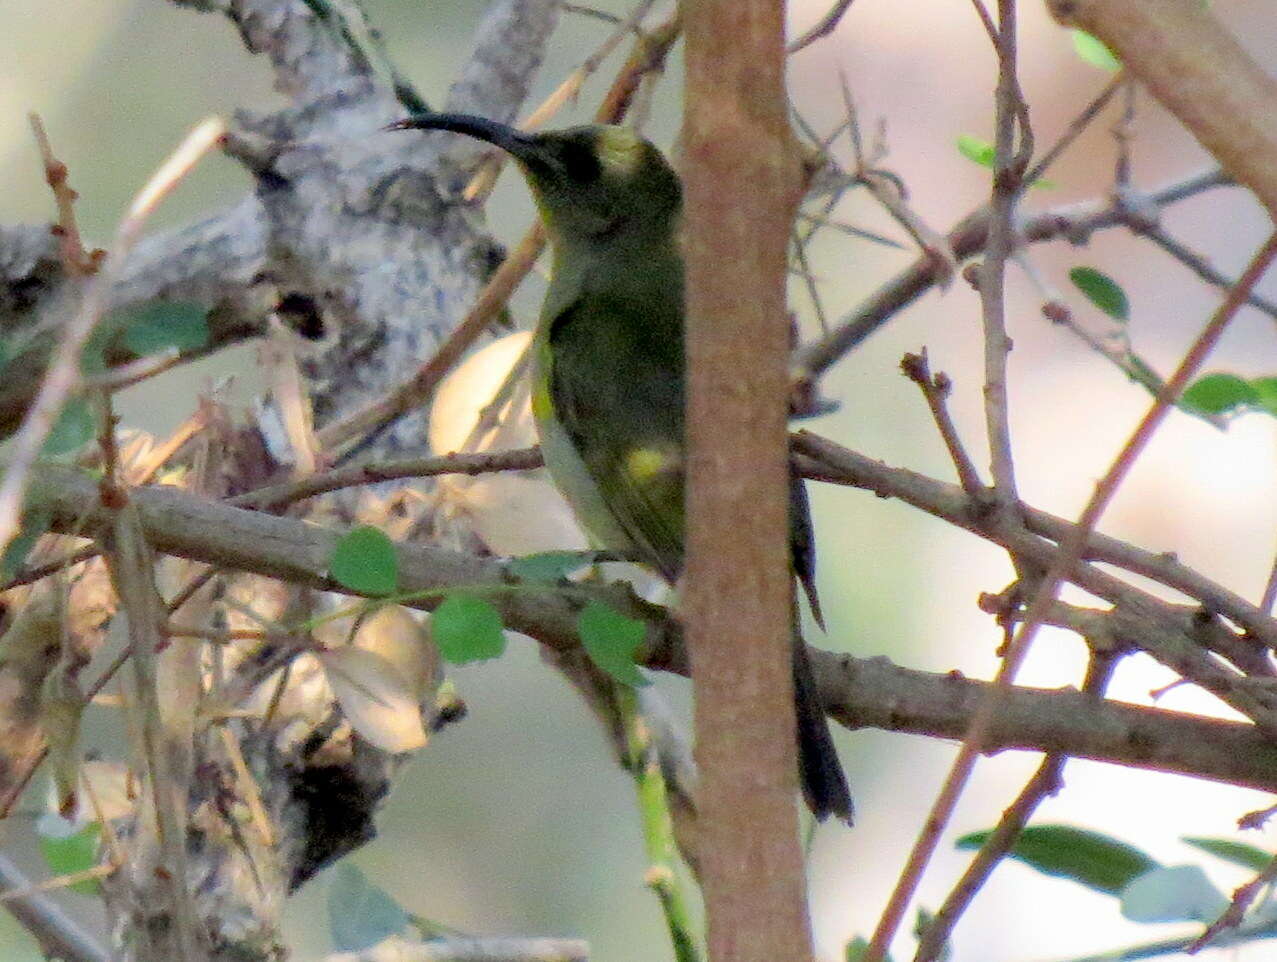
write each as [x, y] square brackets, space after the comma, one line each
[857, 692]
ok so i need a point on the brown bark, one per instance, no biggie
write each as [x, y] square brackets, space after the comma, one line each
[1199, 72]
[742, 183]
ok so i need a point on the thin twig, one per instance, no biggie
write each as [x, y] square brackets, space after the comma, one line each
[821, 28]
[77, 261]
[62, 377]
[986, 21]
[935, 389]
[1270, 591]
[1232, 916]
[132, 567]
[136, 371]
[969, 237]
[1200, 266]
[1007, 186]
[658, 826]
[60, 935]
[1045, 782]
[1074, 129]
[1071, 552]
[142, 472]
[1114, 349]
[278, 495]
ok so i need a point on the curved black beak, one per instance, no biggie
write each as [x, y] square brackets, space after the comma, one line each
[514, 142]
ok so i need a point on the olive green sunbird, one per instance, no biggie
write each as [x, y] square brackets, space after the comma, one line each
[608, 391]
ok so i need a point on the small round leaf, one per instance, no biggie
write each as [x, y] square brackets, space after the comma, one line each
[467, 628]
[611, 640]
[365, 561]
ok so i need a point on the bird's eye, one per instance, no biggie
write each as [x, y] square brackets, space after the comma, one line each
[581, 162]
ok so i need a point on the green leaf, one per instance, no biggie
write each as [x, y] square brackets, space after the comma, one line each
[976, 150]
[611, 640]
[360, 914]
[1102, 291]
[1089, 858]
[365, 561]
[548, 567]
[1093, 51]
[74, 426]
[1181, 893]
[1219, 393]
[93, 354]
[1266, 391]
[68, 848]
[467, 628]
[34, 524]
[857, 948]
[4, 353]
[985, 154]
[1239, 853]
[166, 324]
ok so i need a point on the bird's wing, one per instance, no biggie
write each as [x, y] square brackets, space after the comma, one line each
[615, 381]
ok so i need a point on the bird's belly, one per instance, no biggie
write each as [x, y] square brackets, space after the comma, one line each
[574, 482]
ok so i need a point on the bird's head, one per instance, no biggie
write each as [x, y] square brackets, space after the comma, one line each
[591, 182]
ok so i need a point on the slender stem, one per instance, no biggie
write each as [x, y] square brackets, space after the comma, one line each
[658, 826]
[942, 808]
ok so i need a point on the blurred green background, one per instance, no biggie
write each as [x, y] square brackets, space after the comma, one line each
[516, 821]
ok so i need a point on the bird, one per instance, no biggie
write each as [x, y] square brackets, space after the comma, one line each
[608, 371]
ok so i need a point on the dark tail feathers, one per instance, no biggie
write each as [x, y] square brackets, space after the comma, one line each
[823, 782]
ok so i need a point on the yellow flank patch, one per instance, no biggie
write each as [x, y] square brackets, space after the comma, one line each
[643, 464]
[542, 408]
[620, 150]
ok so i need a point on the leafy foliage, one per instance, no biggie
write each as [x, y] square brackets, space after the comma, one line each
[612, 640]
[74, 427]
[547, 566]
[466, 629]
[980, 151]
[164, 325]
[1239, 853]
[365, 561]
[1092, 50]
[1222, 393]
[68, 848]
[1102, 291]
[1090, 858]
[34, 524]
